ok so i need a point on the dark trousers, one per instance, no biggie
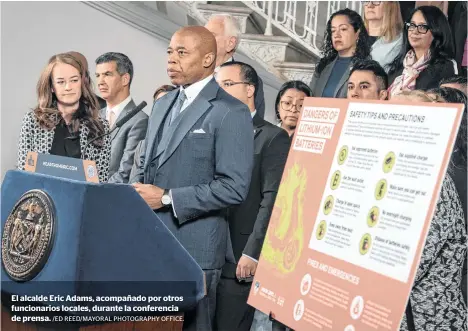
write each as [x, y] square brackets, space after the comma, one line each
[202, 317]
[232, 311]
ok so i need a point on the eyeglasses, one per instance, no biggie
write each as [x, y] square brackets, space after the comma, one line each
[422, 28]
[288, 106]
[229, 83]
[374, 3]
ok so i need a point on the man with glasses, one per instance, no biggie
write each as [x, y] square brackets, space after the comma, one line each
[248, 222]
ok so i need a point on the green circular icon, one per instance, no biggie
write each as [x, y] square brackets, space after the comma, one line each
[328, 205]
[373, 216]
[343, 155]
[389, 162]
[321, 230]
[365, 244]
[381, 189]
[335, 180]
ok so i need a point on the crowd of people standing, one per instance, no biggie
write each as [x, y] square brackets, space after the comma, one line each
[209, 164]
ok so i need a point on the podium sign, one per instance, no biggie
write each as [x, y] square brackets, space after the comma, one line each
[61, 166]
[352, 213]
[70, 251]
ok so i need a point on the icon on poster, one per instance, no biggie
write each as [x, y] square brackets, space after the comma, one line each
[335, 180]
[256, 287]
[373, 216]
[349, 328]
[328, 206]
[389, 162]
[381, 189]
[365, 244]
[298, 310]
[306, 283]
[321, 230]
[343, 155]
[357, 307]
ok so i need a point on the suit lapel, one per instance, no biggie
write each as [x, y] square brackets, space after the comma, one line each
[160, 109]
[188, 118]
[258, 123]
[324, 76]
[124, 112]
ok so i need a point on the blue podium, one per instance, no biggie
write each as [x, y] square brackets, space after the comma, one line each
[97, 243]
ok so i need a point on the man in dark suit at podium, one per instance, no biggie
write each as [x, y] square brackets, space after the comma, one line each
[197, 160]
[249, 221]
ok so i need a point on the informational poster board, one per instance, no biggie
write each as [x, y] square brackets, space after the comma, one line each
[352, 213]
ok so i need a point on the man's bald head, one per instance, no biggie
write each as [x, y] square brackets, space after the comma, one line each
[204, 38]
[191, 55]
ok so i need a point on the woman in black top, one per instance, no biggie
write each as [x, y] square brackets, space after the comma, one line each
[346, 40]
[66, 117]
[426, 55]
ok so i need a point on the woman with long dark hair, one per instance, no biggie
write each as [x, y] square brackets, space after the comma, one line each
[66, 117]
[346, 41]
[427, 52]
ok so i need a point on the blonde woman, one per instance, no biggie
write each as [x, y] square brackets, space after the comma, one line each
[418, 96]
[66, 117]
[385, 25]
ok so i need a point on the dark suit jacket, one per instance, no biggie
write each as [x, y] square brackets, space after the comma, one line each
[207, 165]
[248, 222]
[429, 77]
[124, 141]
[260, 99]
[319, 81]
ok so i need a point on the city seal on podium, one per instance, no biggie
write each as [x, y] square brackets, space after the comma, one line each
[28, 235]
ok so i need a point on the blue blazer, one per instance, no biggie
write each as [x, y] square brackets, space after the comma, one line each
[207, 165]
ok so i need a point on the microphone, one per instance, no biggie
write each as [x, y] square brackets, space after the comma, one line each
[119, 123]
[130, 114]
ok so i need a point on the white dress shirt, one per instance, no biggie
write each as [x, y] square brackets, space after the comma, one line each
[192, 91]
[117, 109]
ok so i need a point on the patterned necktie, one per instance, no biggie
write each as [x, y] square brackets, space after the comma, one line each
[178, 106]
[111, 119]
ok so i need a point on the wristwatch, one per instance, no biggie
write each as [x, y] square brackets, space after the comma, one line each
[166, 199]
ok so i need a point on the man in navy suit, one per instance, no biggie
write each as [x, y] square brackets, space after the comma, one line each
[197, 160]
[248, 222]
